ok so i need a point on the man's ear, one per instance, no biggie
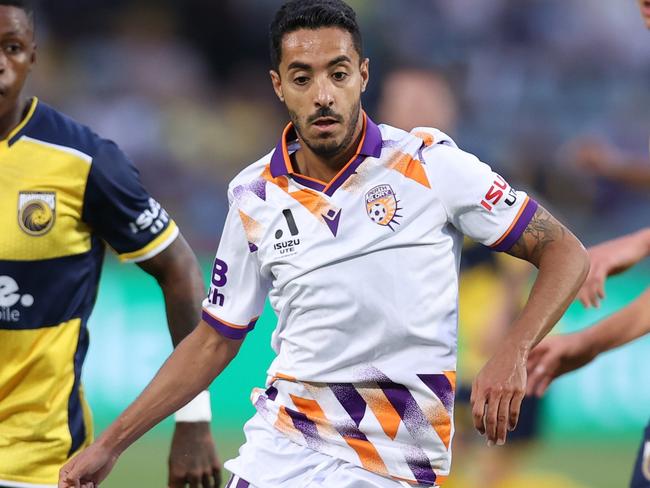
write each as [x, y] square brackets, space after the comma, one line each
[277, 84]
[365, 73]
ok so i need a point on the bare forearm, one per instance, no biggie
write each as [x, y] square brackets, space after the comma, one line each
[635, 173]
[179, 276]
[622, 327]
[562, 270]
[190, 369]
[563, 265]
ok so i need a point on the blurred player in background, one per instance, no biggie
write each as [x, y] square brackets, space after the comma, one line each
[491, 291]
[354, 232]
[561, 354]
[66, 194]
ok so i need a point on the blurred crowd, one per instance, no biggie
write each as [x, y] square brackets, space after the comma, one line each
[551, 93]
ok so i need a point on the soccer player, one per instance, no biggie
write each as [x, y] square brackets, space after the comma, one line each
[353, 231]
[65, 194]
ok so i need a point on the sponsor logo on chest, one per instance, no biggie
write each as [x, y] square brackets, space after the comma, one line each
[11, 299]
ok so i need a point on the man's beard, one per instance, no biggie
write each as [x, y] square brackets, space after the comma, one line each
[328, 149]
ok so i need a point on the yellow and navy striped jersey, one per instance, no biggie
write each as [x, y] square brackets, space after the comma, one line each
[65, 193]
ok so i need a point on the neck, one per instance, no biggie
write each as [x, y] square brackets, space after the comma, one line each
[10, 120]
[325, 168]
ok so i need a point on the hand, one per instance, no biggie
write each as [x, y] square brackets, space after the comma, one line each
[193, 458]
[88, 468]
[593, 155]
[497, 393]
[593, 289]
[554, 356]
[609, 258]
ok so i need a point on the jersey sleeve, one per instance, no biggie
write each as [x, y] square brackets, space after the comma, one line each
[238, 290]
[478, 201]
[120, 211]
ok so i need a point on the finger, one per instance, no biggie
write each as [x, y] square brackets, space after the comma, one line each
[515, 409]
[503, 416]
[176, 481]
[478, 411]
[216, 474]
[600, 290]
[206, 481]
[491, 414]
[194, 480]
[543, 385]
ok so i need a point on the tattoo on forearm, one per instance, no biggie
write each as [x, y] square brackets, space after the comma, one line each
[542, 230]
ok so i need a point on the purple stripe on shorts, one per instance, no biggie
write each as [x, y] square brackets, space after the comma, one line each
[306, 426]
[520, 226]
[352, 402]
[440, 385]
[242, 484]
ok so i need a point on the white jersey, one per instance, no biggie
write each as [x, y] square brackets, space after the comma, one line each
[363, 276]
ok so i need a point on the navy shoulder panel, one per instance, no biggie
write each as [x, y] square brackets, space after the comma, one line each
[49, 125]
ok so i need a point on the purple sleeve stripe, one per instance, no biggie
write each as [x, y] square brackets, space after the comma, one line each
[518, 226]
[230, 331]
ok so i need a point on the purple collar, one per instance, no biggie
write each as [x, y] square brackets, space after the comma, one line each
[370, 146]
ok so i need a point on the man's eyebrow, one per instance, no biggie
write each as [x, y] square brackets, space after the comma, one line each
[307, 67]
[299, 65]
[338, 60]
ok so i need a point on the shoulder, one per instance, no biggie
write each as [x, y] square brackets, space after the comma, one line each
[51, 127]
[250, 177]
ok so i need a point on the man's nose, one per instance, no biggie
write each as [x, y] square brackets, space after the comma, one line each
[324, 96]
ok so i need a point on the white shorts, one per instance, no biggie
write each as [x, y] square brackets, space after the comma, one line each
[268, 459]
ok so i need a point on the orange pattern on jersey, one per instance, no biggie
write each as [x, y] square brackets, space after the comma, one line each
[370, 458]
[282, 376]
[252, 228]
[451, 376]
[310, 199]
[441, 422]
[411, 168]
[384, 411]
[284, 424]
[315, 413]
[427, 138]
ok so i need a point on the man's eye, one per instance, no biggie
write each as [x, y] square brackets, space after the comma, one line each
[301, 80]
[13, 48]
[340, 75]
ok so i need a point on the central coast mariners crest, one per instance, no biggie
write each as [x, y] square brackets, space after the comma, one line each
[381, 205]
[36, 212]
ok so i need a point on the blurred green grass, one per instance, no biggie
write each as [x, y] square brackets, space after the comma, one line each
[594, 464]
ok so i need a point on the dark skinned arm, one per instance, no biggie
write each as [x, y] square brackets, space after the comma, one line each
[563, 264]
[193, 458]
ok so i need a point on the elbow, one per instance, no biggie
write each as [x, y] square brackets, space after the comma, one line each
[582, 263]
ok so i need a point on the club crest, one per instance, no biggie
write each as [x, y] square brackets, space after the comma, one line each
[382, 206]
[36, 212]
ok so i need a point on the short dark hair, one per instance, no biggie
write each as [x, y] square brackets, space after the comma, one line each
[25, 5]
[312, 14]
